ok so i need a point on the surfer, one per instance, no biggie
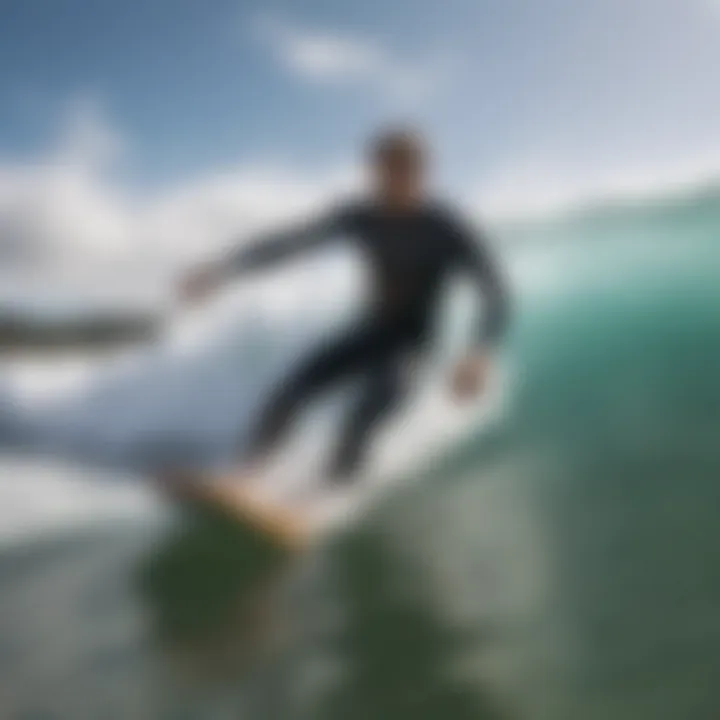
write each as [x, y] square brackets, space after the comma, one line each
[412, 243]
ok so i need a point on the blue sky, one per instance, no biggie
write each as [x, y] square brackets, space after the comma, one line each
[196, 84]
[142, 127]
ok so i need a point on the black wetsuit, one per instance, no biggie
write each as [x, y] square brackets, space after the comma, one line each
[410, 254]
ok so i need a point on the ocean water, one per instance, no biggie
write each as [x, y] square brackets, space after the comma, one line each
[560, 564]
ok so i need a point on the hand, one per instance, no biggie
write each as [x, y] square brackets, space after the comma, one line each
[470, 377]
[198, 284]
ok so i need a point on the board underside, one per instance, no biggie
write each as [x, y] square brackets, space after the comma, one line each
[288, 527]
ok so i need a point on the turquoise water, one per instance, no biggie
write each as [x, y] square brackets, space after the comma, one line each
[561, 566]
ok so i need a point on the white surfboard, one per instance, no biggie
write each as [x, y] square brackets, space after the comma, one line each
[295, 506]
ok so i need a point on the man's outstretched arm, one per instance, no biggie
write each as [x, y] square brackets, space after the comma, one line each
[262, 253]
[475, 258]
[267, 250]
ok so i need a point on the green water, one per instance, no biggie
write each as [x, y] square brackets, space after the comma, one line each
[562, 566]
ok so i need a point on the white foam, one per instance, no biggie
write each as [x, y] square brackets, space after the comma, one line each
[40, 498]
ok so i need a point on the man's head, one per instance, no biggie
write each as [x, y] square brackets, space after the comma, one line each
[398, 160]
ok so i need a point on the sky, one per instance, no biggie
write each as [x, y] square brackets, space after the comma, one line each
[136, 135]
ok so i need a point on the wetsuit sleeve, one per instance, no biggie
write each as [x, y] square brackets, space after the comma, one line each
[474, 257]
[266, 250]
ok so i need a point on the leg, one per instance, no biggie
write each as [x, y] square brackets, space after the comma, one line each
[351, 354]
[383, 390]
[331, 364]
[357, 353]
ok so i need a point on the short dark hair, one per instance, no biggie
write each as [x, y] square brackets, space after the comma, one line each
[397, 143]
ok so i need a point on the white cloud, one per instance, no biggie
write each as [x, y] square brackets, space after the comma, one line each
[339, 59]
[54, 208]
[69, 226]
[86, 135]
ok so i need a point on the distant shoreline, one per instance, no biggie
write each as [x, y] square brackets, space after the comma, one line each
[36, 334]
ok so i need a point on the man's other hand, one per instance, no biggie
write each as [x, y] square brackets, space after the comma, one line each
[470, 377]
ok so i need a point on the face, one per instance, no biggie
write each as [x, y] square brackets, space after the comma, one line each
[399, 178]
